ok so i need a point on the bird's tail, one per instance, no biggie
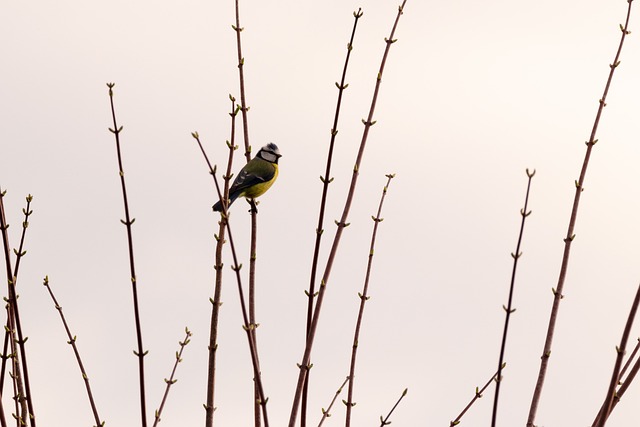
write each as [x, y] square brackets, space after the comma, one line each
[232, 198]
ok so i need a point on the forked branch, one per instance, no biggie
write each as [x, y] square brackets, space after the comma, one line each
[326, 180]
[304, 365]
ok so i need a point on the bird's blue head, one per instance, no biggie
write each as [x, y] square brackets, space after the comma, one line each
[270, 153]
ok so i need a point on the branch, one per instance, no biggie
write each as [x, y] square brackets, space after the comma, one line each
[363, 299]
[128, 221]
[311, 293]
[607, 406]
[508, 309]
[171, 381]
[557, 292]
[385, 421]
[304, 365]
[72, 342]
[477, 396]
[325, 412]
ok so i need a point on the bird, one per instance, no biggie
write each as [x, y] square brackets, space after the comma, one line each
[256, 177]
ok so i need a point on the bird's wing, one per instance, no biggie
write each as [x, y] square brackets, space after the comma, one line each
[247, 179]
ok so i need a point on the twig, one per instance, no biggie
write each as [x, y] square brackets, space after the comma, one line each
[171, 381]
[254, 212]
[220, 240]
[16, 376]
[243, 102]
[253, 323]
[508, 309]
[304, 365]
[72, 342]
[25, 224]
[5, 356]
[326, 180]
[326, 412]
[21, 338]
[246, 325]
[19, 254]
[631, 357]
[477, 396]
[385, 421]
[557, 292]
[625, 385]
[364, 297]
[128, 221]
[21, 376]
[620, 350]
[7, 258]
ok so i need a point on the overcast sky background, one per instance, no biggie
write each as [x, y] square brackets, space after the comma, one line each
[473, 94]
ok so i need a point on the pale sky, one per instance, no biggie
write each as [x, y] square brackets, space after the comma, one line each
[473, 94]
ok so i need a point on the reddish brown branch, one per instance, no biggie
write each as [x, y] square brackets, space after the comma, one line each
[558, 290]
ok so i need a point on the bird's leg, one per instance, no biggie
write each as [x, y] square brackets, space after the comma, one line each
[254, 206]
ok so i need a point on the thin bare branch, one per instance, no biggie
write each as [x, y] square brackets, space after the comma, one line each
[246, 323]
[477, 396]
[385, 421]
[243, 98]
[26, 414]
[579, 184]
[220, 240]
[364, 297]
[72, 342]
[305, 363]
[630, 359]
[326, 413]
[326, 180]
[607, 405]
[524, 213]
[128, 222]
[171, 381]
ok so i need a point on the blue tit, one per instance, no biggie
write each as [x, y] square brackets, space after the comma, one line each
[255, 177]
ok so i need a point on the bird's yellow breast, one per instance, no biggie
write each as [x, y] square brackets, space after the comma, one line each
[259, 189]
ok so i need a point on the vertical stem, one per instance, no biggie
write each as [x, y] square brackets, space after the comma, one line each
[5, 356]
[325, 188]
[252, 305]
[220, 240]
[304, 365]
[247, 326]
[363, 299]
[236, 268]
[21, 414]
[254, 212]
[21, 375]
[243, 102]
[128, 221]
[570, 234]
[508, 309]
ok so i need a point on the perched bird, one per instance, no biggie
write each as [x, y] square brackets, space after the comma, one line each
[255, 177]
